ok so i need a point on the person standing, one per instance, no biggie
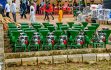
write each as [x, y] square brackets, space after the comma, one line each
[7, 9]
[46, 7]
[13, 9]
[32, 13]
[51, 10]
[60, 15]
[24, 8]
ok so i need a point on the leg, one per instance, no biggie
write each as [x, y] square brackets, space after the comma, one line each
[22, 15]
[25, 14]
[47, 15]
[14, 16]
[60, 19]
[33, 18]
[6, 14]
[52, 16]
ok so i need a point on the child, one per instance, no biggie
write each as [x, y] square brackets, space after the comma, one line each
[32, 13]
[60, 15]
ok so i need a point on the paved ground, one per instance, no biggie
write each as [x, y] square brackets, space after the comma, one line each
[69, 66]
[66, 18]
[40, 18]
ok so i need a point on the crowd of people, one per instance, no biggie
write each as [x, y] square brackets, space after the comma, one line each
[29, 7]
[33, 8]
[43, 8]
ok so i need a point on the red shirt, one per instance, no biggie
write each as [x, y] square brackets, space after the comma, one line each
[50, 8]
[44, 7]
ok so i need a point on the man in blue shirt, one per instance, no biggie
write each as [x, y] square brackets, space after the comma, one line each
[23, 10]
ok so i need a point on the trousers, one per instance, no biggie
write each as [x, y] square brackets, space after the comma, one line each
[32, 18]
[14, 16]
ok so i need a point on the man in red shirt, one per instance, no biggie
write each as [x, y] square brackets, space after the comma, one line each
[46, 9]
[51, 10]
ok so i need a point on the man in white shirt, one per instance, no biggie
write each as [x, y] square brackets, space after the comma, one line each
[13, 10]
[7, 9]
[32, 13]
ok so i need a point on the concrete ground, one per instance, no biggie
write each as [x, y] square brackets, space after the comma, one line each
[66, 18]
[39, 18]
[69, 66]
